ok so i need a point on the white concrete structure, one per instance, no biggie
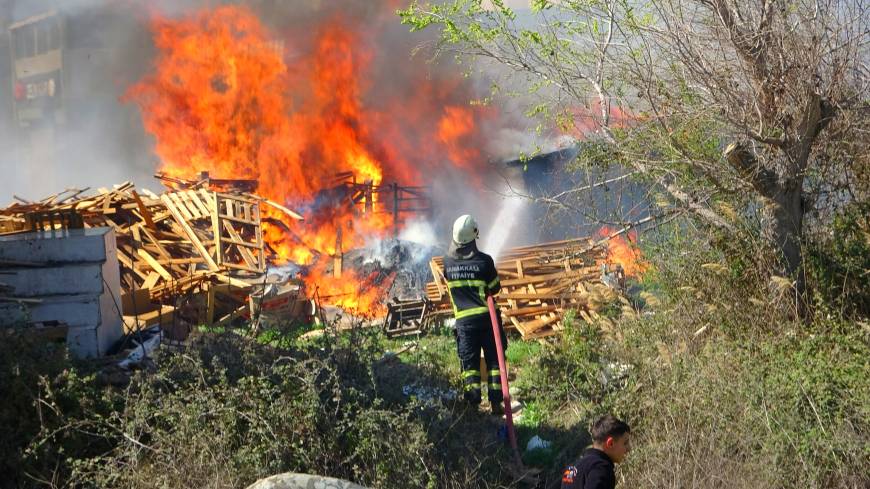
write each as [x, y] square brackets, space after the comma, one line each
[75, 279]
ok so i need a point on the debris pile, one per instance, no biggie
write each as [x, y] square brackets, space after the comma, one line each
[200, 238]
[540, 283]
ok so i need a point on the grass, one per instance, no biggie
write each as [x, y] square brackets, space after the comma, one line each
[756, 399]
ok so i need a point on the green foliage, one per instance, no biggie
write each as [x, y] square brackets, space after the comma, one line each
[780, 411]
[534, 415]
[570, 372]
[28, 369]
[228, 410]
[520, 353]
[839, 264]
[724, 386]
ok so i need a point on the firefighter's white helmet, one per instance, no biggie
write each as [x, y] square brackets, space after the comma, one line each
[465, 230]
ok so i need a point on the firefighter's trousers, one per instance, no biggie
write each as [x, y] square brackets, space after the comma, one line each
[472, 335]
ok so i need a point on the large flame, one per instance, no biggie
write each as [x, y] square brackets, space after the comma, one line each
[227, 98]
[625, 252]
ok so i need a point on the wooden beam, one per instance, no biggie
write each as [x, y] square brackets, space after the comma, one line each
[151, 280]
[233, 218]
[242, 247]
[204, 210]
[536, 279]
[522, 311]
[216, 226]
[154, 264]
[143, 211]
[178, 204]
[191, 234]
[232, 281]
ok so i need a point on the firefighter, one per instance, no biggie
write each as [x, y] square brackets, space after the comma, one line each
[471, 277]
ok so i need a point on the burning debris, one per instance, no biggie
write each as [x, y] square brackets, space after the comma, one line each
[190, 242]
[249, 122]
[542, 282]
[291, 112]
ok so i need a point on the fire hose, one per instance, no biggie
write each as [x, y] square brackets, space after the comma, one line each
[505, 388]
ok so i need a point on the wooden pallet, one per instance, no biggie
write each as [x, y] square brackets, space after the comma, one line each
[539, 284]
[173, 244]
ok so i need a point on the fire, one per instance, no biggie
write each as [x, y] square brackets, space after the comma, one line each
[229, 97]
[456, 124]
[624, 252]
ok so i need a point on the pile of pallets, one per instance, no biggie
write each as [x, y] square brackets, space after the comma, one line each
[183, 241]
[541, 283]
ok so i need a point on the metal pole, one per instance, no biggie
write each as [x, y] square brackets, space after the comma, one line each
[395, 210]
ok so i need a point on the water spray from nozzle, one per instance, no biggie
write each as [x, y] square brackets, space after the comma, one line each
[511, 209]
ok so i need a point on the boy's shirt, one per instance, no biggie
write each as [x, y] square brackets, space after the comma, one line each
[594, 471]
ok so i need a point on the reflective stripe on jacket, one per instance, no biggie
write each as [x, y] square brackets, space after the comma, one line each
[471, 276]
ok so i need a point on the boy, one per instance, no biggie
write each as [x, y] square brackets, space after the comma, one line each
[610, 444]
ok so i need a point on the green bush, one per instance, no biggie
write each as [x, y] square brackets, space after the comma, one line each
[727, 390]
[787, 411]
[229, 410]
[838, 265]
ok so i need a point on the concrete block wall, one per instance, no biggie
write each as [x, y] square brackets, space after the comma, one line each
[75, 276]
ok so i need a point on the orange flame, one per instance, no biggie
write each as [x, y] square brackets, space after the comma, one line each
[222, 98]
[625, 252]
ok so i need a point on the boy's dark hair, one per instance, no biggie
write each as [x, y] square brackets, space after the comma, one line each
[607, 426]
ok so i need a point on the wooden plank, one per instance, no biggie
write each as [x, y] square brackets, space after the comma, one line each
[151, 280]
[189, 232]
[532, 297]
[236, 266]
[209, 199]
[163, 315]
[154, 264]
[216, 228]
[536, 279]
[231, 281]
[160, 249]
[521, 311]
[107, 203]
[143, 211]
[179, 261]
[242, 246]
[533, 326]
[233, 218]
[586, 317]
[128, 263]
[204, 210]
[182, 202]
[179, 206]
[233, 315]
[291, 214]
[437, 275]
[258, 233]
[239, 242]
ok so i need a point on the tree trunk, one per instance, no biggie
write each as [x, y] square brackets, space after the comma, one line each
[783, 229]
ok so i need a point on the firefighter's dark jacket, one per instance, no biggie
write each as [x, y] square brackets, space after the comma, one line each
[471, 276]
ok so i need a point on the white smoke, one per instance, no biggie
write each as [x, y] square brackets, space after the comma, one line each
[419, 231]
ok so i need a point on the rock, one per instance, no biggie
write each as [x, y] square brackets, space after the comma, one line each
[302, 481]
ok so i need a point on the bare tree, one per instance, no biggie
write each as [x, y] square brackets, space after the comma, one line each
[785, 83]
[761, 103]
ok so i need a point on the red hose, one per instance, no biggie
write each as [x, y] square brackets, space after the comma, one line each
[502, 366]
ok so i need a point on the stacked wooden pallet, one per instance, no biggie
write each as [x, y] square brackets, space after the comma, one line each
[179, 242]
[540, 283]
